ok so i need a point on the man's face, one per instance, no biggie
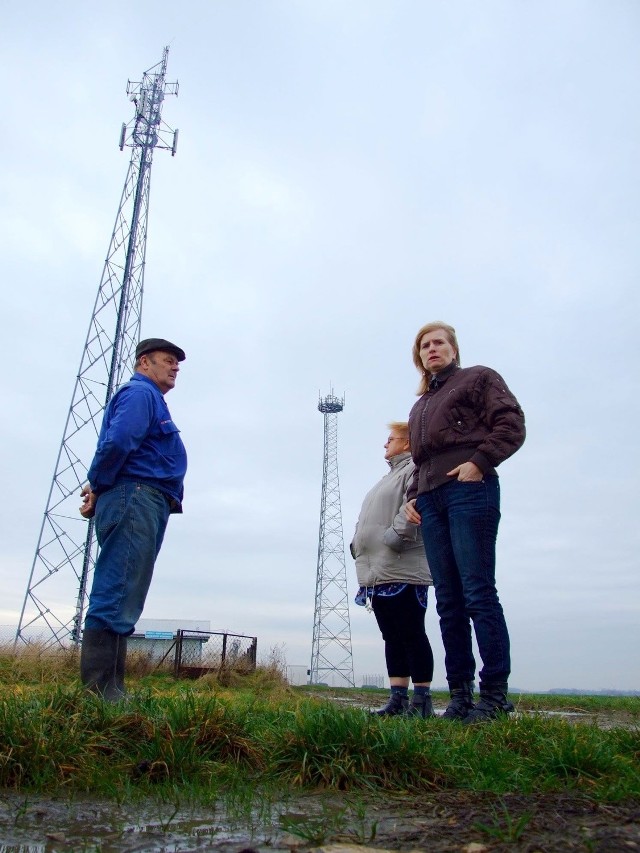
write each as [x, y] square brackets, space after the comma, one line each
[395, 444]
[161, 367]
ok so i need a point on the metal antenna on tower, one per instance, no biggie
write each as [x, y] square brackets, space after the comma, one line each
[331, 653]
[66, 550]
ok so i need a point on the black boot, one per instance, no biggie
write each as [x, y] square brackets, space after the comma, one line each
[397, 706]
[421, 705]
[493, 703]
[121, 662]
[99, 663]
[461, 703]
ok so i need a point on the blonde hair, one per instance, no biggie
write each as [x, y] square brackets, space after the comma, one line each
[400, 426]
[425, 375]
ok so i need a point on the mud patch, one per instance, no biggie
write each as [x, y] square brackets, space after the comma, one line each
[467, 822]
[576, 715]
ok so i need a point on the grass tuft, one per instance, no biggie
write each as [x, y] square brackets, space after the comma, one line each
[193, 739]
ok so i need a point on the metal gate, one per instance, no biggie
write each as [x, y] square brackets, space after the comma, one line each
[198, 653]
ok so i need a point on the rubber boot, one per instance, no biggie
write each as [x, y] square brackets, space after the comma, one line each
[121, 663]
[99, 660]
[397, 706]
[461, 701]
[421, 706]
[493, 703]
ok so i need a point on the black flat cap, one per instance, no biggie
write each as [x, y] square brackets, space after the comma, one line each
[159, 345]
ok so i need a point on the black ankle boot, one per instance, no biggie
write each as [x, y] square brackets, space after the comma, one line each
[421, 706]
[461, 703]
[493, 703]
[102, 663]
[397, 706]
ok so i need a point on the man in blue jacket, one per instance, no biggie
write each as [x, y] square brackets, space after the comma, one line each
[134, 483]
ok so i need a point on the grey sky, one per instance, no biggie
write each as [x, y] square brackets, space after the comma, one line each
[346, 172]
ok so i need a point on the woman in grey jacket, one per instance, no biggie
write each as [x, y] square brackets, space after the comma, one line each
[394, 580]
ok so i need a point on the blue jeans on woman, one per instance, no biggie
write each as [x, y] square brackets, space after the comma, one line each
[130, 522]
[459, 522]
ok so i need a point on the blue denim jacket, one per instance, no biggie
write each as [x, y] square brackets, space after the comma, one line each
[139, 442]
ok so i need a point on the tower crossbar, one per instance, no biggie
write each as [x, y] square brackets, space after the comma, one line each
[56, 594]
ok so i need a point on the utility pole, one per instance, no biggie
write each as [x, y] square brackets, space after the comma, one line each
[56, 593]
[331, 654]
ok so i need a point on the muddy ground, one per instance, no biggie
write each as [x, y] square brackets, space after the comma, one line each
[465, 822]
[575, 714]
[332, 823]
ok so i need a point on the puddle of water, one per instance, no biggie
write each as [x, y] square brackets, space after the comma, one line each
[561, 713]
[45, 825]
[40, 824]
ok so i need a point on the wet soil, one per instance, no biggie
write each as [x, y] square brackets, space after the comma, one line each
[574, 714]
[471, 823]
[331, 823]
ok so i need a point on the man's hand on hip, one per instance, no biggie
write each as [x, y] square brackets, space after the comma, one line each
[88, 507]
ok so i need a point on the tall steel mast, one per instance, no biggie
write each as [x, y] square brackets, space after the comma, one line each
[331, 654]
[56, 593]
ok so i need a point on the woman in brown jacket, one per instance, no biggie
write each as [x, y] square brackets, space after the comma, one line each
[464, 425]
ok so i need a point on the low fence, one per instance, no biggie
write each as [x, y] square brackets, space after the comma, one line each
[190, 653]
[200, 652]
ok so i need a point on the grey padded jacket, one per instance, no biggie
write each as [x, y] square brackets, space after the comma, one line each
[386, 547]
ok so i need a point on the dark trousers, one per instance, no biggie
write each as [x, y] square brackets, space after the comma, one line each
[407, 649]
[459, 528]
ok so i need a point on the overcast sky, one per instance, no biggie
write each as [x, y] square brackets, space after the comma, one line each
[347, 171]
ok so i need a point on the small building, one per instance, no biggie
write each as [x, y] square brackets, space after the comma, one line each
[297, 674]
[155, 638]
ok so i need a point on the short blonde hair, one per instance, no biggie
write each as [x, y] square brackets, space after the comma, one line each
[425, 375]
[400, 426]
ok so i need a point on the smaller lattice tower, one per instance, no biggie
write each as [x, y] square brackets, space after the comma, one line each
[331, 655]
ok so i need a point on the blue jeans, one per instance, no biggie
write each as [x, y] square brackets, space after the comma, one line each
[130, 522]
[459, 528]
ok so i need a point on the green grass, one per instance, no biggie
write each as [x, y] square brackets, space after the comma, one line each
[198, 739]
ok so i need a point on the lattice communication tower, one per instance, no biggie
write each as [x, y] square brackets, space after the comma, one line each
[331, 654]
[56, 593]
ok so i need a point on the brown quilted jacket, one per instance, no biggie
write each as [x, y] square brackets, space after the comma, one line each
[470, 417]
